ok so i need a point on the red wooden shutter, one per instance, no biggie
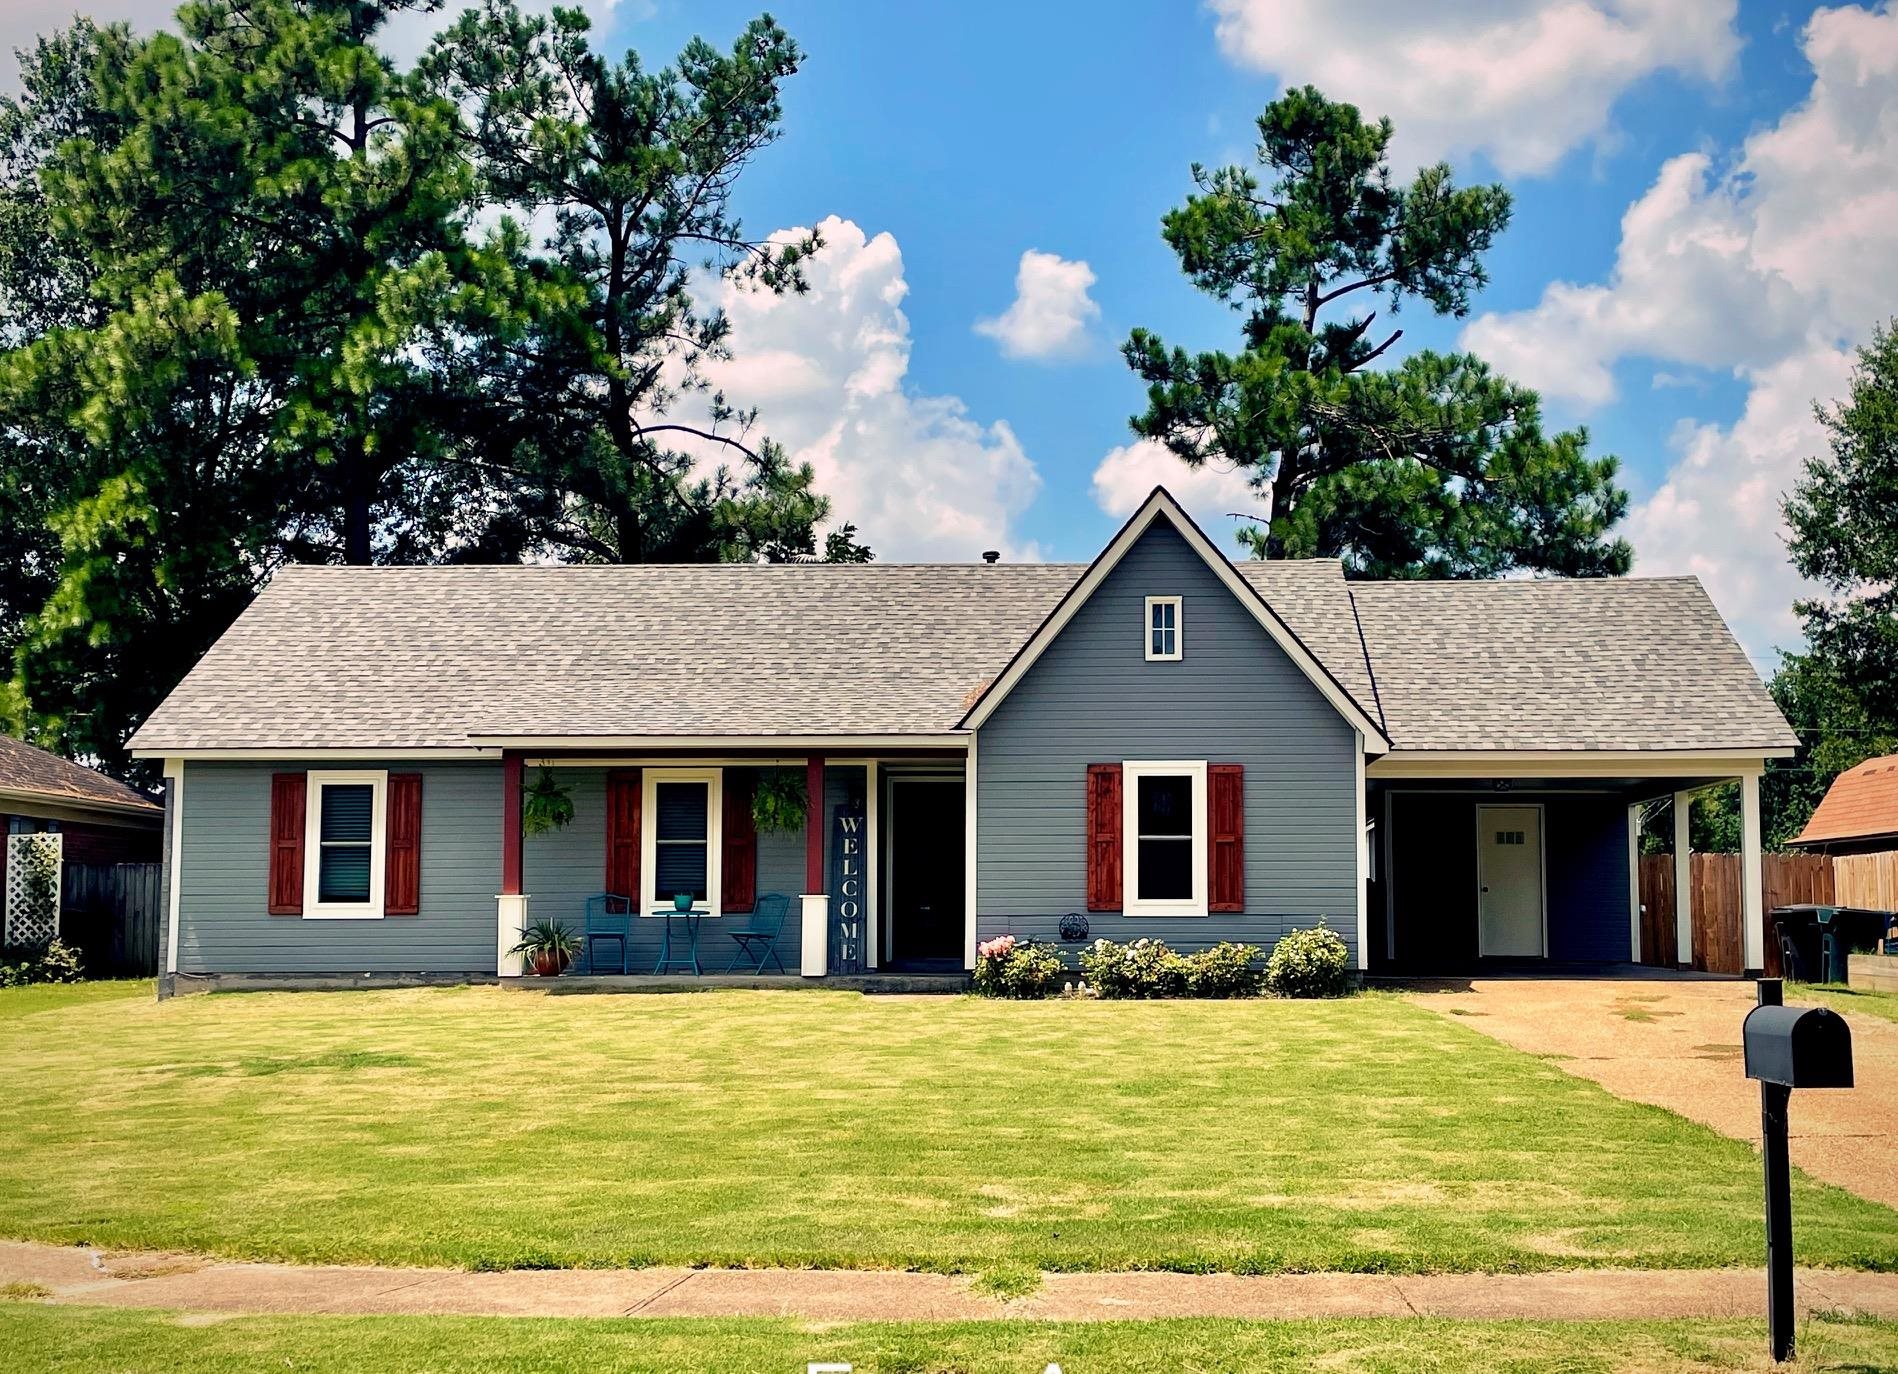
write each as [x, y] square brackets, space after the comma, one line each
[288, 794]
[1103, 837]
[402, 856]
[739, 843]
[622, 833]
[1226, 847]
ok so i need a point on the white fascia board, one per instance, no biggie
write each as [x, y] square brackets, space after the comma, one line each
[821, 744]
[1159, 503]
[1573, 763]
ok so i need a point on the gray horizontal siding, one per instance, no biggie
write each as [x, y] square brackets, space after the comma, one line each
[563, 868]
[223, 926]
[1235, 697]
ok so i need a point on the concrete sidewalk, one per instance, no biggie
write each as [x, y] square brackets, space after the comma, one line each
[186, 1283]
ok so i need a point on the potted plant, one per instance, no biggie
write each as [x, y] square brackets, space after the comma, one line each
[548, 947]
[682, 901]
[546, 805]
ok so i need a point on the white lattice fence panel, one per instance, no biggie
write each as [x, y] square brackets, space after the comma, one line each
[33, 865]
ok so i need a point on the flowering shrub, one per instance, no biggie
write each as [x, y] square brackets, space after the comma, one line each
[1225, 970]
[56, 962]
[1007, 967]
[1309, 963]
[1145, 968]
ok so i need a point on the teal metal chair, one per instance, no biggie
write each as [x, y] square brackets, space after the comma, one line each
[609, 917]
[758, 942]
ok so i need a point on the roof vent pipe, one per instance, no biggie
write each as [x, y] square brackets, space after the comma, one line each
[991, 555]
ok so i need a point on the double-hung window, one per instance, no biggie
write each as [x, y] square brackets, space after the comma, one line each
[344, 845]
[1164, 839]
[681, 837]
[1165, 643]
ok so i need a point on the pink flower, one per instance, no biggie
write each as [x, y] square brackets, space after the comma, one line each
[998, 948]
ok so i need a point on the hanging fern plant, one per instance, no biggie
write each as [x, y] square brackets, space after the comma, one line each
[779, 801]
[547, 805]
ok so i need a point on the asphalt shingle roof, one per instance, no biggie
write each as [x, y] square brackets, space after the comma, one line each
[33, 772]
[418, 658]
[1621, 663]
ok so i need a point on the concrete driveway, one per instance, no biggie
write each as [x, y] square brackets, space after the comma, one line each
[1676, 1044]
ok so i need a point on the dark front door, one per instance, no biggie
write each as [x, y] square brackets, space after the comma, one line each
[926, 871]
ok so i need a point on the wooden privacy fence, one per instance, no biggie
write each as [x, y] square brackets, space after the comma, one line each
[1787, 880]
[1866, 880]
[110, 912]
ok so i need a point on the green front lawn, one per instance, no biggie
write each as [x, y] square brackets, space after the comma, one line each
[491, 1128]
[1847, 1000]
[78, 1340]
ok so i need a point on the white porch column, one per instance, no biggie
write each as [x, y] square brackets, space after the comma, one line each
[510, 923]
[970, 868]
[814, 957]
[1752, 882]
[1634, 882]
[1364, 863]
[1683, 880]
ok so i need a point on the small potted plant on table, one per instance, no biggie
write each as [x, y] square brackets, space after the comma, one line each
[548, 947]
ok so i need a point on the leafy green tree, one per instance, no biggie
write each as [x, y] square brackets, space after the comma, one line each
[1433, 466]
[585, 396]
[1843, 517]
[264, 215]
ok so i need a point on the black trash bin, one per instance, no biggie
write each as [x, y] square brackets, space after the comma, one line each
[1815, 940]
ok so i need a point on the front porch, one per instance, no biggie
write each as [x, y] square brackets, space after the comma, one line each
[1512, 865]
[870, 880]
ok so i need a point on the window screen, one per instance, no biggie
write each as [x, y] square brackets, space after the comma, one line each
[1164, 833]
[346, 836]
[682, 840]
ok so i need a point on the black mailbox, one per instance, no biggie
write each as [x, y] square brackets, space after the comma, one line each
[1798, 1047]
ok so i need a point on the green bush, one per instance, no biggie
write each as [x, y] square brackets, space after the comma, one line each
[1007, 967]
[57, 962]
[1226, 969]
[1145, 968]
[1309, 963]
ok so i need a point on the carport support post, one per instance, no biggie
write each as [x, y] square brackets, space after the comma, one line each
[1779, 1201]
[814, 901]
[1752, 878]
[1683, 880]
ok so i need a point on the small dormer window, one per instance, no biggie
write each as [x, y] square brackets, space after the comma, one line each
[1163, 629]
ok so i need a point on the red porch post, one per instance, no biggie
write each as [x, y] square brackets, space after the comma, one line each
[814, 824]
[510, 824]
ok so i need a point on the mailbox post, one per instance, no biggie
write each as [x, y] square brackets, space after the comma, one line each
[1787, 1048]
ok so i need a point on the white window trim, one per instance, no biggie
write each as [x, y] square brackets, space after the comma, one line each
[714, 778]
[1179, 629]
[313, 907]
[1131, 771]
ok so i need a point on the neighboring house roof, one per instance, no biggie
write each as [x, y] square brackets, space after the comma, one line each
[446, 657]
[29, 774]
[1861, 804]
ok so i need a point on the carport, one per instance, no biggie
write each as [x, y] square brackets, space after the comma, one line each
[1490, 859]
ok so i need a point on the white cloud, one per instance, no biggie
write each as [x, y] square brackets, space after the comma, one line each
[1522, 83]
[1210, 493]
[1051, 311]
[918, 476]
[1770, 266]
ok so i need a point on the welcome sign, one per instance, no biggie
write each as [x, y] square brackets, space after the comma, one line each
[848, 857]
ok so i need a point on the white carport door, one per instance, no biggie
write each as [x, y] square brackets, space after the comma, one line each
[1509, 882]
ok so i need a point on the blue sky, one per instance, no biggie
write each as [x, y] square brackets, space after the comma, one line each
[972, 134]
[1706, 213]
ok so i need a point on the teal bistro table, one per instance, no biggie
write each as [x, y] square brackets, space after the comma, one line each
[687, 939]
